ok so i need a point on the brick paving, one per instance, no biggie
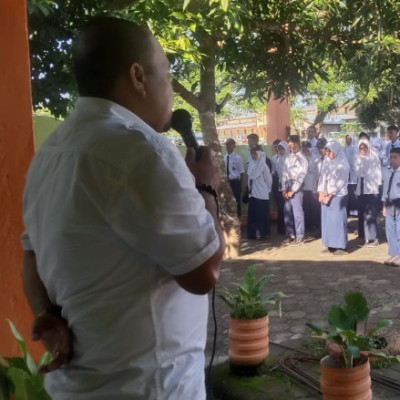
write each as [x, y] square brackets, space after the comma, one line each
[313, 281]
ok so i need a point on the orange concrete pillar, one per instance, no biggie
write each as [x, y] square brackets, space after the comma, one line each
[16, 149]
[278, 119]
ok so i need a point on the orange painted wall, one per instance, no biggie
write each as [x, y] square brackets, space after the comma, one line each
[278, 119]
[16, 150]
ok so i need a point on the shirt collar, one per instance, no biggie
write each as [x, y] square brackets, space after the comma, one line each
[100, 105]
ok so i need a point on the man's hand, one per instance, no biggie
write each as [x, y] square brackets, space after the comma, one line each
[384, 210]
[284, 194]
[54, 333]
[290, 194]
[321, 197]
[204, 169]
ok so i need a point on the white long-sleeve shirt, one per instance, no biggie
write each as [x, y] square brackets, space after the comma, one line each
[312, 175]
[261, 186]
[294, 171]
[334, 178]
[369, 169]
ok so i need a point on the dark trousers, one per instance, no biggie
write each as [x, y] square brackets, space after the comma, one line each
[236, 187]
[279, 201]
[294, 216]
[312, 211]
[258, 225]
[367, 211]
[352, 199]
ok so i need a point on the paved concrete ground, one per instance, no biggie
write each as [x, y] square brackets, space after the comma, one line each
[313, 282]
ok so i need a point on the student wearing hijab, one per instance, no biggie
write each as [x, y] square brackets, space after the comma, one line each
[294, 172]
[332, 194]
[283, 152]
[350, 151]
[369, 177]
[260, 184]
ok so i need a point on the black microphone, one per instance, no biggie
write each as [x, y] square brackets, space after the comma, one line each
[182, 121]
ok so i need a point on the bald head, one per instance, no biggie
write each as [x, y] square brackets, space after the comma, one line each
[104, 50]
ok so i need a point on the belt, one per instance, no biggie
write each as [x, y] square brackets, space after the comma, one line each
[395, 202]
[236, 179]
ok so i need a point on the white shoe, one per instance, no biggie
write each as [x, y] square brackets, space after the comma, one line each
[396, 261]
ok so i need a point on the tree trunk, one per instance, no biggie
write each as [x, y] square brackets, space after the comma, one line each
[227, 203]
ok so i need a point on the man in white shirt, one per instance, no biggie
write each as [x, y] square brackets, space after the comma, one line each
[122, 241]
[312, 138]
[235, 172]
[294, 172]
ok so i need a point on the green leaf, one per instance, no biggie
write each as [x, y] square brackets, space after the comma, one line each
[185, 4]
[225, 4]
[4, 386]
[316, 329]
[338, 318]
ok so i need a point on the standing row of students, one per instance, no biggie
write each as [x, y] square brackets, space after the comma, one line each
[316, 185]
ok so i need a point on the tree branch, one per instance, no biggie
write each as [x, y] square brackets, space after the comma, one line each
[186, 95]
[221, 105]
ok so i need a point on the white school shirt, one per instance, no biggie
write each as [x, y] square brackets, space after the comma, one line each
[351, 152]
[261, 186]
[389, 146]
[394, 188]
[312, 175]
[235, 165]
[112, 214]
[314, 148]
[372, 173]
[334, 178]
[274, 161]
[294, 171]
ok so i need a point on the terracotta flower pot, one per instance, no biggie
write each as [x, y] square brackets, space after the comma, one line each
[248, 341]
[345, 383]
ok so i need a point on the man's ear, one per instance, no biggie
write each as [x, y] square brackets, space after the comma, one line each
[137, 79]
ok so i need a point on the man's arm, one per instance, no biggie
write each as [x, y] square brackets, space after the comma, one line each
[202, 279]
[48, 325]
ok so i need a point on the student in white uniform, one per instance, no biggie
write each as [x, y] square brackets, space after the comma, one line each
[369, 177]
[283, 153]
[379, 146]
[391, 208]
[294, 172]
[276, 194]
[310, 203]
[394, 142]
[350, 151]
[235, 172]
[260, 185]
[332, 194]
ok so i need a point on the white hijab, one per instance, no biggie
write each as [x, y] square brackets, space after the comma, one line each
[366, 162]
[281, 159]
[340, 158]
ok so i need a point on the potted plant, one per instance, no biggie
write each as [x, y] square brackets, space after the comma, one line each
[345, 373]
[248, 329]
[19, 377]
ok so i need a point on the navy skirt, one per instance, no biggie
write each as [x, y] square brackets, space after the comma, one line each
[334, 223]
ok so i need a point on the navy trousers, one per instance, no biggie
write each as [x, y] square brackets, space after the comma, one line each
[368, 205]
[312, 211]
[258, 224]
[236, 187]
[294, 216]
